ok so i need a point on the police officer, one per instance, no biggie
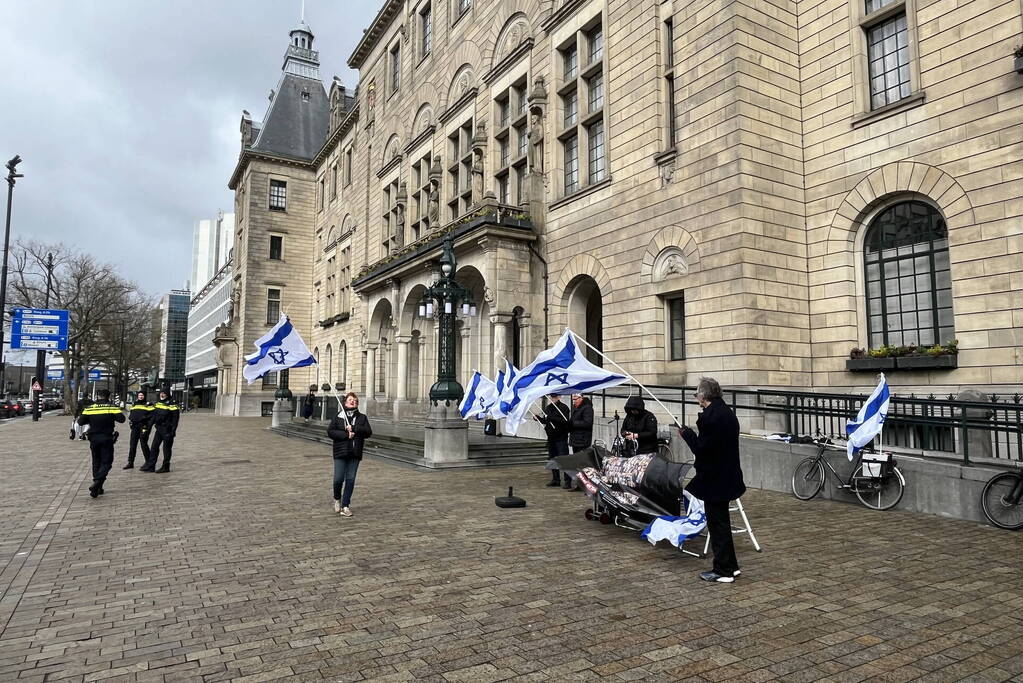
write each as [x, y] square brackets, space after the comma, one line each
[165, 421]
[101, 417]
[140, 417]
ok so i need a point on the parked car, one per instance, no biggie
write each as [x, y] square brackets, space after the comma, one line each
[8, 409]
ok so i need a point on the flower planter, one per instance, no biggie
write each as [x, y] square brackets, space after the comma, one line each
[869, 364]
[1018, 62]
[947, 361]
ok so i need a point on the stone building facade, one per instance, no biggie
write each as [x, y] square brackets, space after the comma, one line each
[743, 190]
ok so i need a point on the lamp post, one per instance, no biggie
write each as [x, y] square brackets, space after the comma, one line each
[448, 295]
[12, 176]
[40, 354]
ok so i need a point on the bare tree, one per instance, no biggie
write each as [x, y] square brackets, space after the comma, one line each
[92, 292]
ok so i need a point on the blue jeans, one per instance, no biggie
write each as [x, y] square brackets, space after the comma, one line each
[344, 476]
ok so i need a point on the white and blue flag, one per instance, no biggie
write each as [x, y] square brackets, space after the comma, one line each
[870, 419]
[279, 349]
[479, 396]
[504, 379]
[562, 369]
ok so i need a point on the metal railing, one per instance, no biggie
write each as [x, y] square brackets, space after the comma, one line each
[990, 429]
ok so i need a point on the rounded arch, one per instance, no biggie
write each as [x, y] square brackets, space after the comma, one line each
[892, 182]
[409, 320]
[328, 354]
[316, 367]
[424, 117]
[342, 362]
[582, 264]
[584, 305]
[392, 149]
[332, 235]
[381, 321]
[672, 251]
[464, 77]
[347, 223]
[515, 30]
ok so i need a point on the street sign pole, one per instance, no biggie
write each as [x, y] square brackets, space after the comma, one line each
[40, 354]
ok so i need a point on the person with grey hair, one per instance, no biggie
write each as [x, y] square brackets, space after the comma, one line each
[718, 479]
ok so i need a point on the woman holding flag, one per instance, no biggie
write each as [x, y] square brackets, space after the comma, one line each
[349, 430]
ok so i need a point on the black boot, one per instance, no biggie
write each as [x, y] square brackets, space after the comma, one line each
[164, 468]
[129, 466]
[556, 480]
[99, 487]
[94, 489]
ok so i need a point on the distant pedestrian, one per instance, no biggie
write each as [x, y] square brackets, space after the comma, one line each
[555, 425]
[166, 414]
[101, 418]
[307, 406]
[580, 425]
[718, 479]
[140, 419]
[639, 426]
[349, 430]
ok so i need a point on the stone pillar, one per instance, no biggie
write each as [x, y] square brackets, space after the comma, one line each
[371, 371]
[281, 412]
[976, 442]
[501, 329]
[402, 386]
[446, 437]
[466, 369]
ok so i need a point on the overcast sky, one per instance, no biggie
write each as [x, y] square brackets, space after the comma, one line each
[126, 114]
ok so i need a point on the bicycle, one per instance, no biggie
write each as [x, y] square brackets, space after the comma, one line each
[876, 481]
[626, 448]
[1001, 499]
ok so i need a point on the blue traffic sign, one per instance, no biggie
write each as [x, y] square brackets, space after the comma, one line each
[54, 374]
[41, 329]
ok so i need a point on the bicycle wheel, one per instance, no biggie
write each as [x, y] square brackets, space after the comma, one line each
[996, 501]
[807, 478]
[664, 451]
[879, 493]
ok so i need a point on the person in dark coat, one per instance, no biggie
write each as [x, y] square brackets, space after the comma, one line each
[640, 425]
[307, 406]
[580, 425]
[140, 419]
[555, 425]
[349, 430]
[102, 418]
[718, 479]
[166, 414]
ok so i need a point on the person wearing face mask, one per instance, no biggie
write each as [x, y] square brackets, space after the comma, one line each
[640, 426]
[349, 430]
[140, 419]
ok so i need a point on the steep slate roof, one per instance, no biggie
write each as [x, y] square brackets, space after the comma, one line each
[295, 127]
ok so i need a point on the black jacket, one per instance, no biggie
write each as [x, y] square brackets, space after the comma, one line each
[641, 421]
[165, 417]
[101, 418]
[581, 425]
[141, 416]
[716, 447]
[345, 448]
[555, 420]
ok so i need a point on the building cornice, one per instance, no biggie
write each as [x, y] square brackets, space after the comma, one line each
[372, 34]
[560, 14]
[249, 154]
[509, 60]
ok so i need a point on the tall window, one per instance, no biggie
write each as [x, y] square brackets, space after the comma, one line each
[426, 30]
[276, 247]
[395, 67]
[323, 191]
[348, 167]
[269, 380]
[331, 311]
[273, 306]
[670, 112]
[463, 7]
[677, 328]
[460, 170]
[888, 60]
[278, 195]
[419, 218]
[512, 138]
[345, 277]
[391, 237]
[333, 182]
[583, 127]
[909, 286]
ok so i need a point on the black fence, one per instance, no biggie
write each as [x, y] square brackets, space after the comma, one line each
[931, 425]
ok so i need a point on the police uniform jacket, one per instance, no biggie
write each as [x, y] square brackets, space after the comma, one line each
[141, 416]
[165, 417]
[101, 418]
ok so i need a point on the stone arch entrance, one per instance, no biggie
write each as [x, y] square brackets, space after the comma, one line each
[379, 372]
[585, 308]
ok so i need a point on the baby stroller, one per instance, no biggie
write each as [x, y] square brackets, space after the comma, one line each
[658, 493]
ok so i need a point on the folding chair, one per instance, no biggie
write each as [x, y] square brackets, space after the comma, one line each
[745, 529]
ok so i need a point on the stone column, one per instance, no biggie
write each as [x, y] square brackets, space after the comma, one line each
[402, 386]
[466, 369]
[502, 331]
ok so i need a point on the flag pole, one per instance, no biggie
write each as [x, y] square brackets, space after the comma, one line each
[626, 373]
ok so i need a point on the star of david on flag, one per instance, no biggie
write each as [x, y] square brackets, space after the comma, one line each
[279, 349]
[479, 396]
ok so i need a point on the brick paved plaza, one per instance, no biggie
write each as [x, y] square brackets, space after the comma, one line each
[234, 567]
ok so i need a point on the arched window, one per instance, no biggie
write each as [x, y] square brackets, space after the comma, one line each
[516, 337]
[909, 286]
[330, 365]
[342, 360]
[316, 357]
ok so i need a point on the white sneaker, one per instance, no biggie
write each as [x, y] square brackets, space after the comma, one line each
[347, 512]
[337, 506]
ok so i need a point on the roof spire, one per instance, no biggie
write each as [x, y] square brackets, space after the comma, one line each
[301, 59]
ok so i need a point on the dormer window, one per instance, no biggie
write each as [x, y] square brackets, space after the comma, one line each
[305, 95]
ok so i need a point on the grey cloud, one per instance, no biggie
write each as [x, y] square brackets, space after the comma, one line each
[126, 114]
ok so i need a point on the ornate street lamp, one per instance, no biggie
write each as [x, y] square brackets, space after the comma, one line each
[448, 296]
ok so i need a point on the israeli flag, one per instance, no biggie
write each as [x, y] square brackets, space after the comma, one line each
[479, 396]
[677, 530]
[279, 349]
[504, 379]
[870, 419]
[562, 369]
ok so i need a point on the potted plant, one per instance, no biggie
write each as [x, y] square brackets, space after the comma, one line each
[932, 357]
[1018, 54]
[869, 360]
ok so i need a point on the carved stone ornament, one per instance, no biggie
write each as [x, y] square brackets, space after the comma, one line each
[371, 95]
[518, 32]
[463, 84]
[488, 295]
[667, 173]
[669, 263]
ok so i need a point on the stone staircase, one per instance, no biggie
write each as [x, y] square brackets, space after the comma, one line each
[403, 443]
